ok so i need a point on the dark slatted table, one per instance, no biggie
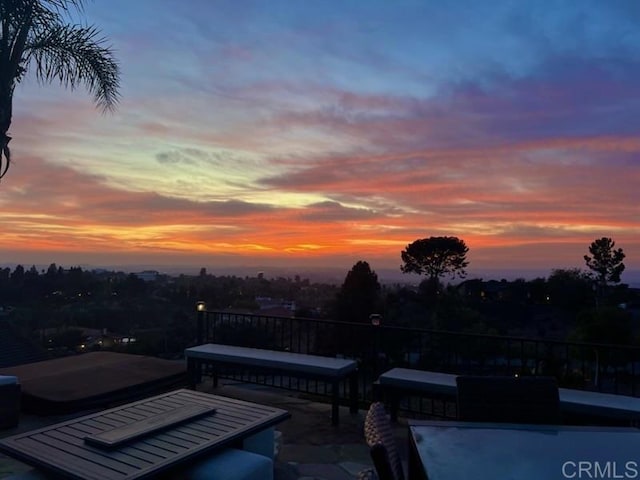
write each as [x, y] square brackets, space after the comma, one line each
[63, 448]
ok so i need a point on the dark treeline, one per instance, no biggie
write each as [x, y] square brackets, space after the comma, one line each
[563, 306]
[53, 305]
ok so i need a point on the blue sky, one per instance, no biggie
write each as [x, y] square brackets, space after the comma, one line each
[323, 133]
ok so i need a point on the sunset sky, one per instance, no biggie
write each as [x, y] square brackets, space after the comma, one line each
[321, 133]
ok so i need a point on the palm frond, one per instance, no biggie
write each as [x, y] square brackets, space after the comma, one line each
[5, 162]
[35, 31]
[74, 54]
[57, 5]
[66, 5]
[20, 18]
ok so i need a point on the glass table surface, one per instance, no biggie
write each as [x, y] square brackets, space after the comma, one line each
[458, 450]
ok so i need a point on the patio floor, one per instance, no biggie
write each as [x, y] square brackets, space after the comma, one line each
[310, 447]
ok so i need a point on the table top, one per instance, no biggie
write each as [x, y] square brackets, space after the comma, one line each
[204, 423]
[274, 359]
[455, 450]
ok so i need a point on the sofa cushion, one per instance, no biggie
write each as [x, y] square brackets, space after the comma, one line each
[231, 464]
[262, 443]
[8, 380]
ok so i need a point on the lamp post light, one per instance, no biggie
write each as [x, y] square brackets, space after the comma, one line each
[200, 308]
[376, 319]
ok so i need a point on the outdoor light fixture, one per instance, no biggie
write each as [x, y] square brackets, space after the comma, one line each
[200, 306]
[375, 319]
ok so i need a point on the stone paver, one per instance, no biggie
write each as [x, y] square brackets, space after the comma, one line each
[355, 452]
[353, 468]
[309, 454]
[322, 471]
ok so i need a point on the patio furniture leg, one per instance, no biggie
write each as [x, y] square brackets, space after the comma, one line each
[353, 393]
[335, 403]
[394, 405]
[194, 373]
[377, 392]
[214, 376]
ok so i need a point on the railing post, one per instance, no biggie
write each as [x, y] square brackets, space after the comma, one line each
[200, 308]
[596, 381]
[375, 320]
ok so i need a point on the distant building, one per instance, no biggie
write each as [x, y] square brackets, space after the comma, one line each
[268, 303]
[147, 275]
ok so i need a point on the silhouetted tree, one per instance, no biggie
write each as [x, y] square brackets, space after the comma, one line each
[52, 271]
[17, 277]
[34, 33]
[570, 289]
[606, 325]
[131, 286]
[435, 257]
[358, 296]
[606, 262]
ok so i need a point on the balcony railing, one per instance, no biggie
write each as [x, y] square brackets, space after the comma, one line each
[601, 367]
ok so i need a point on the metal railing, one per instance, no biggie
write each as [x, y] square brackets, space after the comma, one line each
[377, 348]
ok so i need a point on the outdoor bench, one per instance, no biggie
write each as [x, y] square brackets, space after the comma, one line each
[327, 369]
[399, 382]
